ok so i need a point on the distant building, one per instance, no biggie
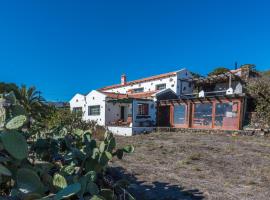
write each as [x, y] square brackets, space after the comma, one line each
[58, 104]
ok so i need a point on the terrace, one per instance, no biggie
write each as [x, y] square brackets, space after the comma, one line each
[130, 116]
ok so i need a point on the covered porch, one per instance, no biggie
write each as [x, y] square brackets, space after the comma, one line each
[223, 113]
[130, 116]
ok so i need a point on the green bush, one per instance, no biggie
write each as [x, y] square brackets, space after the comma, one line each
[259, 89]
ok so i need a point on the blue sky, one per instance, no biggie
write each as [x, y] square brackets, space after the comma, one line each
[65, 47]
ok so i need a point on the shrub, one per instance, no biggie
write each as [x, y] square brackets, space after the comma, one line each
[259, 89]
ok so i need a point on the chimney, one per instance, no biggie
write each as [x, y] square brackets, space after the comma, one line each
[123, 79]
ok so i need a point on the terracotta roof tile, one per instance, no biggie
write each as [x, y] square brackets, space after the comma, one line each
[141, 95]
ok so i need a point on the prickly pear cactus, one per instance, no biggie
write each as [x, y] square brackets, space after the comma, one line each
[16, 122]
[15, 144]
[62, 164]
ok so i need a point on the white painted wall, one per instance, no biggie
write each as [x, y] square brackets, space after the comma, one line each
[171, 82]
[95, 98]
[129, 131]
[123, 131]
[236, 86]
[152, 113]
[183, 87]
[113, 111]
[78, 101]
[148, 86]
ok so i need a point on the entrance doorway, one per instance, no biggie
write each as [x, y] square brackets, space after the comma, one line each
[164, 116]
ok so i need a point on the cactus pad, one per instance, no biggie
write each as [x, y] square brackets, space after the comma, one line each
[15, 144]
[16, 122]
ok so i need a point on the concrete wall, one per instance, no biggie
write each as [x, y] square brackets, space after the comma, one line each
[95, 98]
[129, 131]
[124, 131]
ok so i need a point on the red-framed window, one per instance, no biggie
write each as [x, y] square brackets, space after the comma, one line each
[143, 109]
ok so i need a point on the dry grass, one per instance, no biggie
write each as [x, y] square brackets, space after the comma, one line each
[197, 166]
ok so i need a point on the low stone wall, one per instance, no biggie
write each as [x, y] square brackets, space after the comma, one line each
[213, 131]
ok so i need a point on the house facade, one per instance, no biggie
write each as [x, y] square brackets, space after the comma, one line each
[174, 99]
[130, 107]
[217, 102]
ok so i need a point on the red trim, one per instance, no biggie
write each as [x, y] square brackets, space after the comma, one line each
[185, 125]
[190, 108]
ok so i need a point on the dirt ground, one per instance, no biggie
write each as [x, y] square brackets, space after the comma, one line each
[196, 166]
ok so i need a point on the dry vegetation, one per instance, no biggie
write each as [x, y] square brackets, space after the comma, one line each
[197, 166]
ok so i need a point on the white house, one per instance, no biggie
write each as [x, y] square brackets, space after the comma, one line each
[130, 107]
[176, 81]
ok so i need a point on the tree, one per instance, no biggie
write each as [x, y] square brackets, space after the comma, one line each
[7, 87]
[195, 75]
[32, 101]
[259, 89]
[218, 71]
[266, 73]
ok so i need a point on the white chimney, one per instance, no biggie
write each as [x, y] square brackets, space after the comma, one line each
[123, 79]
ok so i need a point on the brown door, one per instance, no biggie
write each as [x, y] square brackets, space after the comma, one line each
[164, 116]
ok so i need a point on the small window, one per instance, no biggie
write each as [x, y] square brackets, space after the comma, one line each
[161, 86]
[143, 109]
[93, 110]
[77, 109]
[137, 90]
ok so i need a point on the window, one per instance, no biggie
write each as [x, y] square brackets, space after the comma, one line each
[203, 114]
[137, 90]
[161, 86]
[179, 114]
[143, 109]
[93, 110]
[77, 110]
[226, 115]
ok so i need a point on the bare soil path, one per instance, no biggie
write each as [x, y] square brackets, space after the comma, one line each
[196, 166]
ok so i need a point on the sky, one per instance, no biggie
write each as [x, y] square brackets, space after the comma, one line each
[65, 47]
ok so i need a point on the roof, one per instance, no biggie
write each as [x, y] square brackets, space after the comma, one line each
[141, 95]
[200, 99]
[151, 78]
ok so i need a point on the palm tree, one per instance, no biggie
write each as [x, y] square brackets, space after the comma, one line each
[32, 101]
